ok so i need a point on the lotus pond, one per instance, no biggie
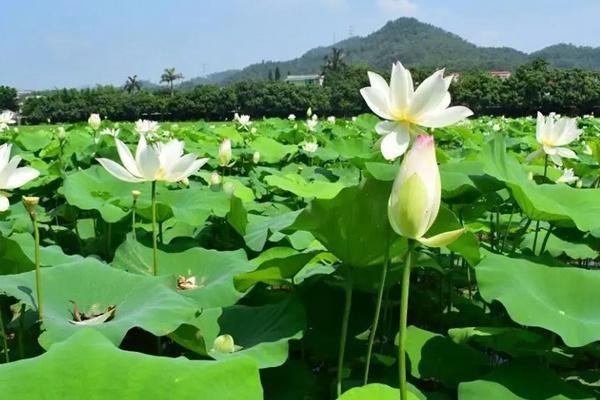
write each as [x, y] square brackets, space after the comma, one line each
[277, 274]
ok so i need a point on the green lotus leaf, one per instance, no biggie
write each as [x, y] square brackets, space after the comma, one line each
[261, 333]
[353, 225]
[139, 301]
[375, 391]
[96, 189]
[271, 151]
[89, 366]
[559, 299]
[521, 380]
[212, 270]
[431, 353]
[300, 187]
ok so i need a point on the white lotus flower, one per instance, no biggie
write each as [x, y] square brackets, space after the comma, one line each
[155, 162]
[567, 177]
[310, 147]
[312, 123]
[331, 119]
[110, 132]
[146, 127]
[496, 127]
[553, 133]
[225, 153]
[12, 177]
[243, 120]
[292, 117]
[94, 121]
[416, 194]
[406, 108]
[6, 118]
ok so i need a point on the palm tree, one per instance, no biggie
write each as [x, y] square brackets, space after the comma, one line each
[170, 76]
[132, 84]
[334, 62]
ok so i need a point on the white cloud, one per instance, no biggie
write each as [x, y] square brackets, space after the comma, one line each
[398, 7]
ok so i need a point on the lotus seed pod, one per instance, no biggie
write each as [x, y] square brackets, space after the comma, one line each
[30, 204]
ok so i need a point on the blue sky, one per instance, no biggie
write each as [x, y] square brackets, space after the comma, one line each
[57, 43]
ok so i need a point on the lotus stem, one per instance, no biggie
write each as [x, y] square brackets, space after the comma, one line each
[4, 340]
[403, 321]
[545, 242]
[537, 224]
[344, 334]
[512, 213]
[30, 204]
[384, 269]
[154, 232]
[133, 220]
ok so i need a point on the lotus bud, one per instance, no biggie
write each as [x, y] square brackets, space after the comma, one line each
[224, 344]
[31, 204]
[253, 131]
[309, 112]
[225, 154]
[415, 200]
[579, 184]
[229, 188]
[215, 179]
[416, 194]
[62, 134]
[94, 121]
[135, 194]
[256, 157]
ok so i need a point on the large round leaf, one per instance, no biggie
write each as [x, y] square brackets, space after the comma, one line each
[560, 299]
[95, 189]
[354, 225]
[213, 270]
[300, 187]
[261, 332]
[521, 381]
[139, 301]
[89, 366]
[375, 391]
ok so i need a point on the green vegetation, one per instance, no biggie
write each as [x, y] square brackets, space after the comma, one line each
[534, 86]
[259, 256]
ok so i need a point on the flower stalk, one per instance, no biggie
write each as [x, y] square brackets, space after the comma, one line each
[374, 325]
[30, 205]
[135, 194]
[154, 232]
[344, 334]
[403, 320]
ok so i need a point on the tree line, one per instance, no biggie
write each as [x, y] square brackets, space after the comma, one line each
[534, 86]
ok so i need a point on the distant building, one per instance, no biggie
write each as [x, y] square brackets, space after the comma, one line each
[501, 74]
[305, 79]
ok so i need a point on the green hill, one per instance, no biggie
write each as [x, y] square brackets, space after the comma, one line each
[416, 44]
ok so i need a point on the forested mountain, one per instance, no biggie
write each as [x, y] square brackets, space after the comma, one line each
[416, 44]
